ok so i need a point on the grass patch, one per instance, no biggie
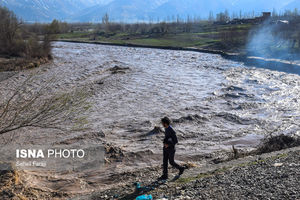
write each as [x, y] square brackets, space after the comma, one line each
[73, 35]
[203, 175]
[224, 169]
[205, 36]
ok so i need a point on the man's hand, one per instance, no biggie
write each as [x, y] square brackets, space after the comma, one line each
[166, 145]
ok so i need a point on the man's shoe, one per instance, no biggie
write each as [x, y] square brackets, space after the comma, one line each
[181, 170]
[163, 177]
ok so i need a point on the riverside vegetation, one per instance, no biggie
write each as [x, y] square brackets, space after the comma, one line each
[19, 47]
[221, 32]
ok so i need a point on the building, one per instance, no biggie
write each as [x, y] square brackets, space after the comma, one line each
[257, 20]
[266, 15]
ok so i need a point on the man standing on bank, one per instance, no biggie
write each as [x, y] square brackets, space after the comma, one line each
[170, 141]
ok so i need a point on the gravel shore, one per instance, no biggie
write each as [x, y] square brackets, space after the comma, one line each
[273, 175]
[276, 177]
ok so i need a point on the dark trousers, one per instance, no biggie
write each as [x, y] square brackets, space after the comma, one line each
[169, 154]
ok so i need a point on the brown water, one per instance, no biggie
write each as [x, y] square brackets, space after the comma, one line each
[214, 102]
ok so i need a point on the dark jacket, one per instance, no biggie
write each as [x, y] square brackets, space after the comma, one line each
[170, 137]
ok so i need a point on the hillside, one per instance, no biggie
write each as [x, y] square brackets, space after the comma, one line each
[47, 10]
[120, 10]
[136, 10]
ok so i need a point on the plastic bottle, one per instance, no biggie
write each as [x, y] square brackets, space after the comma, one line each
[144, 197]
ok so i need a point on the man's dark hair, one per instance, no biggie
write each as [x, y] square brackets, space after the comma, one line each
[166, 120]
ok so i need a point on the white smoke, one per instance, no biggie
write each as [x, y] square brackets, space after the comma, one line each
[269, 41]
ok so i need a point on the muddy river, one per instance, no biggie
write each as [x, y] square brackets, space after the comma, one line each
[214, 103]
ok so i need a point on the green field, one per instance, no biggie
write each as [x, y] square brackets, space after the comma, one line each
[232, 38]
[207, 36]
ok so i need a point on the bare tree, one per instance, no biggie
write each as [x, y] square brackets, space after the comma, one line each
[9, 27]
[274, 13]
[15, 40]
[28, 107]
[223, 16]
[105, 22]
[211, 16]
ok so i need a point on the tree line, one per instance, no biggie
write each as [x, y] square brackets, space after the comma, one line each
[33, 40]
[175, 25]
[16, 40]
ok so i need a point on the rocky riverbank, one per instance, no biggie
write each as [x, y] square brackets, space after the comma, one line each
[269, 176]
[275, 177]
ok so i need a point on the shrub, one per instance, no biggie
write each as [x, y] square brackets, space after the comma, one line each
[276, 143]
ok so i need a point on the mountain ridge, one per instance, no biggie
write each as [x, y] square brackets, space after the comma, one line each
[136, 10]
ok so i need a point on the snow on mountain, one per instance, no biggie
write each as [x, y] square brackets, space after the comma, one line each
[47, 10]
[136, 10]
[120, 10]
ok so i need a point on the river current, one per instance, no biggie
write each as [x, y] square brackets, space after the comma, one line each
[214, 103]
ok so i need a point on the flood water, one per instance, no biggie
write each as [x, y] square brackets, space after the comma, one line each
[214, 103]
